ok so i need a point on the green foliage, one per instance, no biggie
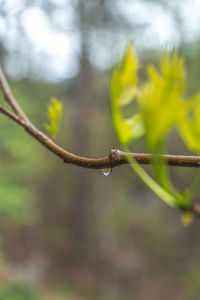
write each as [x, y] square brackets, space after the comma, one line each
[160, 96]
[124, 90]
[14, 202]
[161, 108]
[17, 171]
[190, 124]
[54, 116]
[17, 292]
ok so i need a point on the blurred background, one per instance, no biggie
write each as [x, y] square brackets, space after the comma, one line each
[72, 233]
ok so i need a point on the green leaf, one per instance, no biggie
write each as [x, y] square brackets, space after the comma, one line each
[161, 107]
[128, 95]
[166, 196]
[124, 90]
[160, 97]
[54, 116]
[189, 125]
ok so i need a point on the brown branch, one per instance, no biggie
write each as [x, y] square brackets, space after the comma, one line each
[9, 96]
[9, 114]
[114, 159]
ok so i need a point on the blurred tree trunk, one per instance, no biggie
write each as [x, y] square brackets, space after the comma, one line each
[79, 209]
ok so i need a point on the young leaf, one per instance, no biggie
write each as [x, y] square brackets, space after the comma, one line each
[162, 107]
[166, 196]
[54, 116]
[189, 125]
[124, 90]
[161, 97]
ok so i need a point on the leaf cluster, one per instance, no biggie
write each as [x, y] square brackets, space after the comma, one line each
[162, 107]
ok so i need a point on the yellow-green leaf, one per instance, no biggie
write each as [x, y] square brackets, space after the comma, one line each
[189, 125]
[161, 106]
[124, 90]
[160, 97]
[128, 95]
[54, 116]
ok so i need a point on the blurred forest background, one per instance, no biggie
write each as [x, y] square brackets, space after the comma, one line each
[72, 233]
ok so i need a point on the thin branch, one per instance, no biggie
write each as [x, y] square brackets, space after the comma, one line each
[9, 114]
[9, 96]
[114, 159]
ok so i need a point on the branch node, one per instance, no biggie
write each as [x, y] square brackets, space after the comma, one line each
[114, 157]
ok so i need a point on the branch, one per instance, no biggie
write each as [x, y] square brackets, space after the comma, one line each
[9, 96]
[114, 159]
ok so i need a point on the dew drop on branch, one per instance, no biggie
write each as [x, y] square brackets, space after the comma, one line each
[106, 172]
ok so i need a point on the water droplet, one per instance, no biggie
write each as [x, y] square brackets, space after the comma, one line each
[106, 172]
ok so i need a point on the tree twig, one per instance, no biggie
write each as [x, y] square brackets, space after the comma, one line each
[115, 157]
[9, 97]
